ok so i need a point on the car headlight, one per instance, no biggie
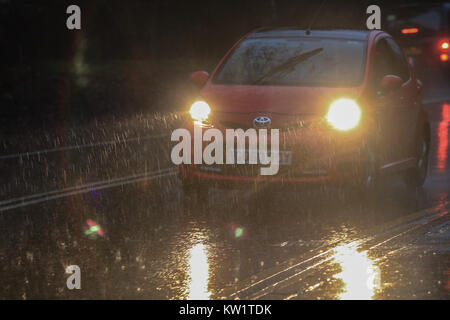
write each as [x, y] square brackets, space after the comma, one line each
[200, 110]
[344, 114]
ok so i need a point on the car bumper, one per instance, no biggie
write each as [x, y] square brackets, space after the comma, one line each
[193, 173]
[318, 156]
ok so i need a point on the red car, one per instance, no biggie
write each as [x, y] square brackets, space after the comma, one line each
[347, 105]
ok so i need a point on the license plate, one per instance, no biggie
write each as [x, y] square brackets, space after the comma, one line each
[285, 157]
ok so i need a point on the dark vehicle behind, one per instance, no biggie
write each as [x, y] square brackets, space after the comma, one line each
[423, 31]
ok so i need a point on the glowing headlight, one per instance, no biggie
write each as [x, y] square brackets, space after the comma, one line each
[200, 110]
[344, 114]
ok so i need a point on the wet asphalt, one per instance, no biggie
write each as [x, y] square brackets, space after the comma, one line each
[106, 198]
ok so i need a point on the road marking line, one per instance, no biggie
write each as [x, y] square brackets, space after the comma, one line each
[418, 216]
[261, 293]
[280, 272]
[290, 277]
[404, 220]
[82, 146]
[87, 188]
[37, 195]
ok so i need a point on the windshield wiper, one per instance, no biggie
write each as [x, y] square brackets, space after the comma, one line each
[288, 65]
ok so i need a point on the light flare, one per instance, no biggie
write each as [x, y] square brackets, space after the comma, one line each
[200, 111]
[360, 275]
[344, 114]
[198, 273]
[444, 45]
[93, 229]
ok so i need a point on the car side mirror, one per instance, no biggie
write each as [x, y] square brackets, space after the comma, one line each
[391, 82]
[199, 78]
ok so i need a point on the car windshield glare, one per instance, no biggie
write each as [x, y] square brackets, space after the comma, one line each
[299, 61]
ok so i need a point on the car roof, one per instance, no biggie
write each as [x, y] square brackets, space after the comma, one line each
[293, 32]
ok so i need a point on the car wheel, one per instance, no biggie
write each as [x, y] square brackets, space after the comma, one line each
[369, 182]
[416, 177]
[370, 176]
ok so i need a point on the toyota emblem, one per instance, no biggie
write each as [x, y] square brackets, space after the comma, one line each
[262, 122]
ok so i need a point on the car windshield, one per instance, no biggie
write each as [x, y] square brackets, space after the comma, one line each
[294, 61]
[426, 19]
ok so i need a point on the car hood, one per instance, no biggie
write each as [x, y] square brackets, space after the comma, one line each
[283, 100]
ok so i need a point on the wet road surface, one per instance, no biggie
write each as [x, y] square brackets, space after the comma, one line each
[113, 206]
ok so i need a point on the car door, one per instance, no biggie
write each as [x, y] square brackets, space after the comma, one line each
[391, 107]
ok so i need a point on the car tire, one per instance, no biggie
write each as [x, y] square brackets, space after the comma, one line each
[370, 176]
[369, 181]
[416, 176]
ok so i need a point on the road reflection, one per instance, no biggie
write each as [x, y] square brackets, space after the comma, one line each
[198, 273]
[443, 138]
[359, 274]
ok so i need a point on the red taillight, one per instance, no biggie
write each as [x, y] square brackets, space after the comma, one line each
[444, 57]
[444, 45]
[409, 30]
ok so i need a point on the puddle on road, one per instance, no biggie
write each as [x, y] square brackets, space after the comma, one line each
[198, 273]
[359, 273]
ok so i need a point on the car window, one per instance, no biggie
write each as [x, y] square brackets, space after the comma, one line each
[389, 60]
[383, 64]
[400, 63]
[295, 61]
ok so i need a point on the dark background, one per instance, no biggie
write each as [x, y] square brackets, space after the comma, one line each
[130, 56]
